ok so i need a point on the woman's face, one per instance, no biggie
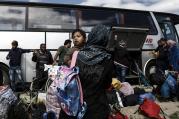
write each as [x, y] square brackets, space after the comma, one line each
[78, 39]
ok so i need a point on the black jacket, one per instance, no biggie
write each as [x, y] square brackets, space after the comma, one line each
[121, 56]
[15, 56]
[95, 79]
[42, 58]
[163, 54]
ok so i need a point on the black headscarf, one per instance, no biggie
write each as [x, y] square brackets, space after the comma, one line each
[94, 50]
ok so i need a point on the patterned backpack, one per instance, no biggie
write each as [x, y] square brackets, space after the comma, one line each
[69, 90]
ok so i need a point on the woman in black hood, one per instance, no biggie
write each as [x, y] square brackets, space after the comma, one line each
[95, 73]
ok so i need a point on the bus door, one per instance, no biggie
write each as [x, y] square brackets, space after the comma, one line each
[168, 29]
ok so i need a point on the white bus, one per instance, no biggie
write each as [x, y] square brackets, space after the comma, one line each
[34, 23]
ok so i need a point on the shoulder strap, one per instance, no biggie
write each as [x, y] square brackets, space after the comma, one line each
[73, 61]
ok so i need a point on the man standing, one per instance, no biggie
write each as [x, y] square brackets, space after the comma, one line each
[61, 52]
[121, 60]
[41, 57]
[14, 56]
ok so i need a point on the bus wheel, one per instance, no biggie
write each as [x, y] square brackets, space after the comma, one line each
[150, 71]
[5, 72]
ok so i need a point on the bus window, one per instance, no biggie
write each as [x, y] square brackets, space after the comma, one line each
[90, 18]
[54, 39]
[26, 40]
[167, 27]
[136, 19]
[51, 18]
[12, 18]
[168, 30]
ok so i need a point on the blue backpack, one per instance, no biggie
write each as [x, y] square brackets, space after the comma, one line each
[149, 96]
[69, 90]
[169, 87]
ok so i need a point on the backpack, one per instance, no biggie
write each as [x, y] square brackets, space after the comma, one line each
[69, 90]
[130, 100]
[7, 98]
[169, 87]
[52, 100]
[150, 109]
[149, 96]
[126, 89]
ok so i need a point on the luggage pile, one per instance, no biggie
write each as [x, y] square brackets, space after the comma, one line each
[7, 98]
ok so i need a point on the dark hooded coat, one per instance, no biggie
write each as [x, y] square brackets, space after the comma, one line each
[96, 68]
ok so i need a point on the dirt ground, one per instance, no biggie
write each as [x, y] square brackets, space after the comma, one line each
[170, 109]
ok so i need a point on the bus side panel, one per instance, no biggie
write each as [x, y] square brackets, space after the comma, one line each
[150, 43]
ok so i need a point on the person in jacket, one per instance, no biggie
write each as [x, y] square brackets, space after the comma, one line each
[61, 52]
[121, 60]
[95, 65]
[162, 60]
[14, 56]
[41, 57]
[162, 54]
[79, 40]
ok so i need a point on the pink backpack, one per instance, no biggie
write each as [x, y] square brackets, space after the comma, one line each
[66, 86]
[52, 103]
[126, 89]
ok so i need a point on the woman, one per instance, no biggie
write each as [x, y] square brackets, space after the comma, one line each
[96, 67]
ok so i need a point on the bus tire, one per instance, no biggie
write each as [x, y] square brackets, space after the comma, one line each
[5, 72]
[150, 71]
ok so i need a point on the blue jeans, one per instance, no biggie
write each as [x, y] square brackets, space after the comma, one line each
[121, 72]
[15, 74]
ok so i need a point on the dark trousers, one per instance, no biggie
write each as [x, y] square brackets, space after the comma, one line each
[41, 78]
[121, 72]
[161, 66]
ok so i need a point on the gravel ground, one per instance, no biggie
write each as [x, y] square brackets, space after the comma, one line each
[171, 110]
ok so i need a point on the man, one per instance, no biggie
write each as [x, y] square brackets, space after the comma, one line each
[41, 57]
[121, 60]
[14, 56]
[162, 55]
[61, 52]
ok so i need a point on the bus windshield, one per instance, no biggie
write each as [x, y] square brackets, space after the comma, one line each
[167, 27]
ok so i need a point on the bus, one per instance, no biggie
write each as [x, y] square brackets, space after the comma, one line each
[34, 23]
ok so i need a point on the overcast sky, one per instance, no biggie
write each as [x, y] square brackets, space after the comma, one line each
[171, 6]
